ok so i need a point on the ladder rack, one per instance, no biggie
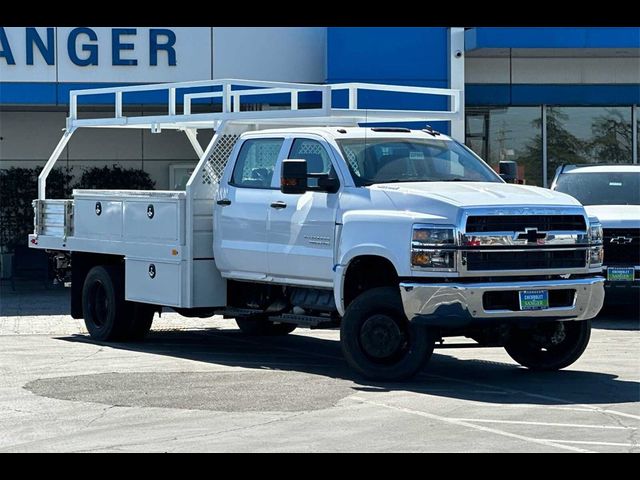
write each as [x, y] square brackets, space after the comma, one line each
[233, 93]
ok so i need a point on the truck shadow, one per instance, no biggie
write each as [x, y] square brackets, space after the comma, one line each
[31, 298]
[445, 375]
[619, 313]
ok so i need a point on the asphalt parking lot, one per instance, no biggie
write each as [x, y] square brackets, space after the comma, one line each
[199, 385]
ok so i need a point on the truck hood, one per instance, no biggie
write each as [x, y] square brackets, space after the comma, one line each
[616, 216]
[473, 194]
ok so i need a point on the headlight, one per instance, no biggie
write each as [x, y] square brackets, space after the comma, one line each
[431, 236]
[595, 232]
[596, 256]
[431, 247]
[433, 258]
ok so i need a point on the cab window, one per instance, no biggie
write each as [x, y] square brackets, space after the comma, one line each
[256, 163]
[317, 157]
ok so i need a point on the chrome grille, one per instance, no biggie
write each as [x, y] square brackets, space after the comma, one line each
[525, 260]
[521, 242]
[517, 223]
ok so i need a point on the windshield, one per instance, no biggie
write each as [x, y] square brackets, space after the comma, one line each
[389, 160]
[602, 188]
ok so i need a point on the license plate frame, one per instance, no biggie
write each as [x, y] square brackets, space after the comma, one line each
[533, 299]
[620, 274]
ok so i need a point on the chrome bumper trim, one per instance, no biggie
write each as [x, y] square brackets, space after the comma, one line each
[462, 303]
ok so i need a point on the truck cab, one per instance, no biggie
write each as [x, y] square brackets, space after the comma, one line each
[399, 238]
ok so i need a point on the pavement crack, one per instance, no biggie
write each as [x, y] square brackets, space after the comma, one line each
[237, 429]
[176, 438]
[100, 416]
[92, 354]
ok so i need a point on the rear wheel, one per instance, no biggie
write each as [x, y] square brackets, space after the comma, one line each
[550, 345]
[141, 320]
[261, 327]
[107, 315]
[104, 310]
[377, 339]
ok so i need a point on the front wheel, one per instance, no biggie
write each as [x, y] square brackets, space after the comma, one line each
[550, 345]
[379, 342]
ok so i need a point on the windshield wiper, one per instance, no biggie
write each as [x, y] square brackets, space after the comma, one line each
[414, 180]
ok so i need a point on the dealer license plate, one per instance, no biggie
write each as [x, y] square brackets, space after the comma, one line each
[534, 299]
[620, 274]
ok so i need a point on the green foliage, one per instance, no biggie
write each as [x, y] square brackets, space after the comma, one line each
[115, 178]
[19, 187]
[612, 138]
[610, 142]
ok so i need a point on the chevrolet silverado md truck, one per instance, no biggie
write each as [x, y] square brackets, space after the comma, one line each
[301, 216]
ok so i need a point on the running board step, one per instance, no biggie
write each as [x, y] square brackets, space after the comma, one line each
[305, 320]
[240, 312]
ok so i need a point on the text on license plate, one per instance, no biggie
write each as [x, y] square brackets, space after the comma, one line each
[534, 299]
[620, 274]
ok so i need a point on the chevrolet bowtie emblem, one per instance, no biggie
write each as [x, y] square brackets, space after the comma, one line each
[531, 235]
[621, 239]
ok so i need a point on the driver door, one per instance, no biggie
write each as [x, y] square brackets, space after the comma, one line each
[302, 226]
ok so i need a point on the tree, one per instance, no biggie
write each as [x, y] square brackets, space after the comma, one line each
[19, 187]
[612, 142]
[562, 145]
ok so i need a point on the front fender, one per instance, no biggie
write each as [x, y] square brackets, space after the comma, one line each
[381, 233]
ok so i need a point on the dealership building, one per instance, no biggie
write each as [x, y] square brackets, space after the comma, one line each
[539, 96]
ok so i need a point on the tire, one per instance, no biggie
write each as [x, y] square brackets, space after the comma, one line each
[373, 317]
[261, 327]
[107, 315]
[527, 348]
[141, 318]
[104, 309]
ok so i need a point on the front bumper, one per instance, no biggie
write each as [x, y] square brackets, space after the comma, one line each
[461, 304]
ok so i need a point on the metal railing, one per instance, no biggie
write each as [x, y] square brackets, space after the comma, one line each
[233, 92]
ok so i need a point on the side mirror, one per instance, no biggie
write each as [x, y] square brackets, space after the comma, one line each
[293, 179]
[327, 183]
[508, 170]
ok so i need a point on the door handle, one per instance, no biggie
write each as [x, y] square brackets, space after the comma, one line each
[224, 201]
[278, 205]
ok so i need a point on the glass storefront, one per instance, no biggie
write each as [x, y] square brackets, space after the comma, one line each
[573, 135]
[588, 135]
[508, 133]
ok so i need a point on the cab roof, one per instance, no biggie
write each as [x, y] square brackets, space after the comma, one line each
[338, 133]
[626, 168]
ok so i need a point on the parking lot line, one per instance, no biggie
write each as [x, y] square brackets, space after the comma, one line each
[461, 423]
[545, 424]
[604, 444]
[536, 395]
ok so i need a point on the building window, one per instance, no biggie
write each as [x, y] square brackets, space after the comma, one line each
[508, 133]
[574, 135]
[588, 135]
[636, 151]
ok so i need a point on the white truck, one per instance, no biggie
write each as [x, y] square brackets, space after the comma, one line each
[612, 193]
[399, 237]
